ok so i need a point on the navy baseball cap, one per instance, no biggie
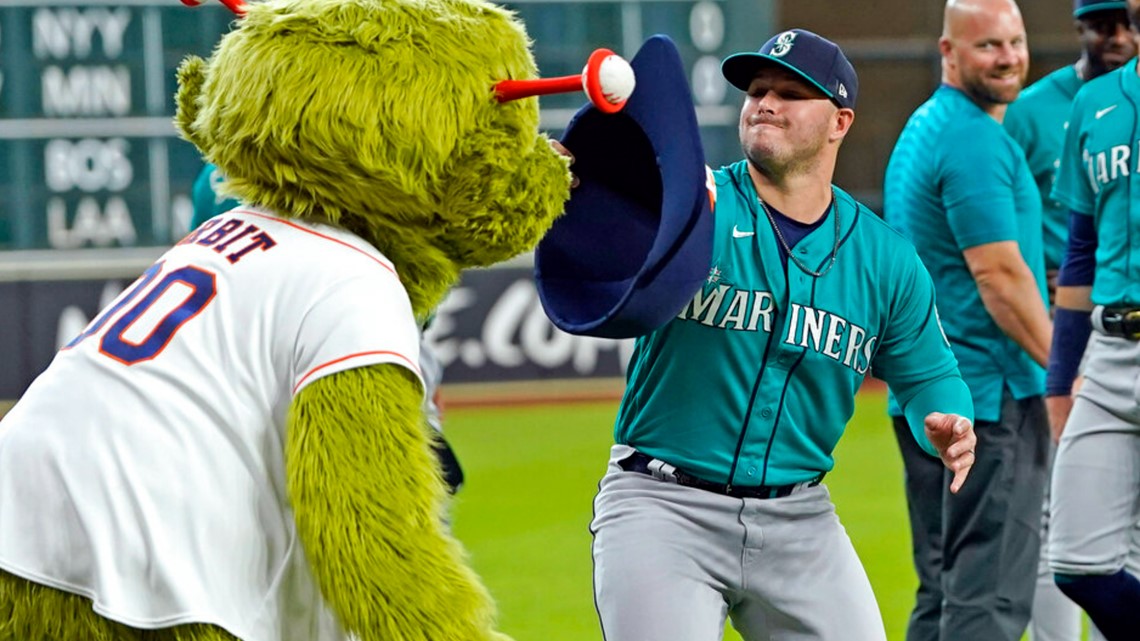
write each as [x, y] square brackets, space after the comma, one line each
[1084, 7]
[635, 242]
[814, 58]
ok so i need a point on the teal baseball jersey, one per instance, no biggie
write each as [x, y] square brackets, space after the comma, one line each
[1098, 177]
[957, 180]
[207, 202]
[1037, 122]
[754, 381]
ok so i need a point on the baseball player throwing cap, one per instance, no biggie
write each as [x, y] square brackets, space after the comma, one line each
[635, 242]
[1084, 7]
[814, 58]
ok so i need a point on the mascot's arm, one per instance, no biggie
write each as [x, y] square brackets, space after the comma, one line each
[368, 500]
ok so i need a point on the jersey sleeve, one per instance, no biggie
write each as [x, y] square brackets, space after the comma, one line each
[1072, 187]
[914, 355]
[362, 320]
[913, 349]
[977, 185]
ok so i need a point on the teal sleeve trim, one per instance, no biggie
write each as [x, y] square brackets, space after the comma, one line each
[948, 395]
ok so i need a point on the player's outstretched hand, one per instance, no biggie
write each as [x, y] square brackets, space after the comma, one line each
[953, 436]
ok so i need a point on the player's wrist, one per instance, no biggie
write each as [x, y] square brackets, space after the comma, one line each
[1071, 330]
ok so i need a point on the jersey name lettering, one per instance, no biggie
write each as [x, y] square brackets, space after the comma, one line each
[222, 234]
[833, 336]
[1106, 166]
[743, 310]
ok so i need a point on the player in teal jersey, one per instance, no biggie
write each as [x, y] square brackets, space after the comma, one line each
[1096, 479]
[959, 187]
[1037, 121]
[712, 504]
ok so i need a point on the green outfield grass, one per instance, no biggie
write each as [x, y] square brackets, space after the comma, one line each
[532, 472]
[531, 477]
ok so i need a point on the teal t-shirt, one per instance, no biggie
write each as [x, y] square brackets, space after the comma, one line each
[753, 383]
[1100, 176]
[207, 202]
[956, 180]
[1037, 121]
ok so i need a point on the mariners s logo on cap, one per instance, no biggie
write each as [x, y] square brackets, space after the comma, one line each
[783, 44]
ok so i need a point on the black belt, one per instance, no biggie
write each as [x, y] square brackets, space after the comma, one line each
[644, 464]
[1122, 322]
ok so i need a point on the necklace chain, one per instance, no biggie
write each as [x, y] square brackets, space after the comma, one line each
[788, 250]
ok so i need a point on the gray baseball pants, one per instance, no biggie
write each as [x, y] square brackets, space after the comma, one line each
[1096, 479]
[672, 562]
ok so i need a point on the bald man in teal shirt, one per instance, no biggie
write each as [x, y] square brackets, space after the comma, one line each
[960, 189]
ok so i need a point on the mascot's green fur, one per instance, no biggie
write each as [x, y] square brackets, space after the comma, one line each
[376, 116]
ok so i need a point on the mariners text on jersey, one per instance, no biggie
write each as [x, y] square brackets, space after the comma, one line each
[743, 310]
[1107, 165]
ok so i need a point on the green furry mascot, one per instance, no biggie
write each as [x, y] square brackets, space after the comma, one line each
[365, 142]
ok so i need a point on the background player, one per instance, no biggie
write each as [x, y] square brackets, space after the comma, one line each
[960, 188]
[712, 502]
[208, 202]
[1096, 478]
[1037, 121]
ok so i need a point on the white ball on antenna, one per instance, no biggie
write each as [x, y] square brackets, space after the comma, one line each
[616, 79]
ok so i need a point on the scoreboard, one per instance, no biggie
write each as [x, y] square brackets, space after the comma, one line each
[89, 157]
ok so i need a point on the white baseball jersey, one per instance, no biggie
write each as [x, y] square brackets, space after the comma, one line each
[144, 468]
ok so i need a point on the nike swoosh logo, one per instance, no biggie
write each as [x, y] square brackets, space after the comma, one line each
[736, 233]
[1101, 112]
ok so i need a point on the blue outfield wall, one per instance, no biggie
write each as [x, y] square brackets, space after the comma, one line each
[490, 328]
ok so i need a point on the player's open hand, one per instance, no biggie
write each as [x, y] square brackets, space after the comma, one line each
[953, 436]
